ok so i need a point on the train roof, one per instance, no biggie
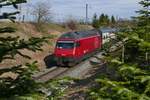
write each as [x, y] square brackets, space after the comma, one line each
[108, 30]
[80, 34]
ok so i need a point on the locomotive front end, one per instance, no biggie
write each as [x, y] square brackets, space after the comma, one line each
[65, 52]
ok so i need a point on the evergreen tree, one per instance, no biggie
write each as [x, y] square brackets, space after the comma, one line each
[113, 21]
[143, 26]
[9, 47]
[95, 22]
[107, 20]
[143, 20]
[104, 20]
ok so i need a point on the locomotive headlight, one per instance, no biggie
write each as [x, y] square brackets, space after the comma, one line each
[63, 54]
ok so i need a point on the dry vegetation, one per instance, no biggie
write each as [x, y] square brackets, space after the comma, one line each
[25, 31]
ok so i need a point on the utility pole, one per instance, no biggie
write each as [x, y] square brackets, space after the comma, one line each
[19, 19]
[23, 18]
[86, 13]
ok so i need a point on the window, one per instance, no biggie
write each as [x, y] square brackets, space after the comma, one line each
[65, 45]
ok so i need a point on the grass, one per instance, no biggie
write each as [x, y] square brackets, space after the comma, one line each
[46, 28]
[84, 27]
[57, 27]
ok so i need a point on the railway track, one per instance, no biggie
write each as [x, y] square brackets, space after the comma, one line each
[76, 71]
[52, 73]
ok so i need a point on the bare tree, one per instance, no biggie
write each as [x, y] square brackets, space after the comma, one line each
[71, 24]
[42, 12]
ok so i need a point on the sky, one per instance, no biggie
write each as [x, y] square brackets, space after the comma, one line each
[64, 9]
[77, 8]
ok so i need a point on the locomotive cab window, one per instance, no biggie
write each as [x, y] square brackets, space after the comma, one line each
[65, 45]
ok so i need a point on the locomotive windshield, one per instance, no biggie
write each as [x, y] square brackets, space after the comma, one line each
[65, 45]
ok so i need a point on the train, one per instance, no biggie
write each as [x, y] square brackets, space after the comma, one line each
[73, 47]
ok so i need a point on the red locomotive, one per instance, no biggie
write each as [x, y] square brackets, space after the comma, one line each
[73, 47]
